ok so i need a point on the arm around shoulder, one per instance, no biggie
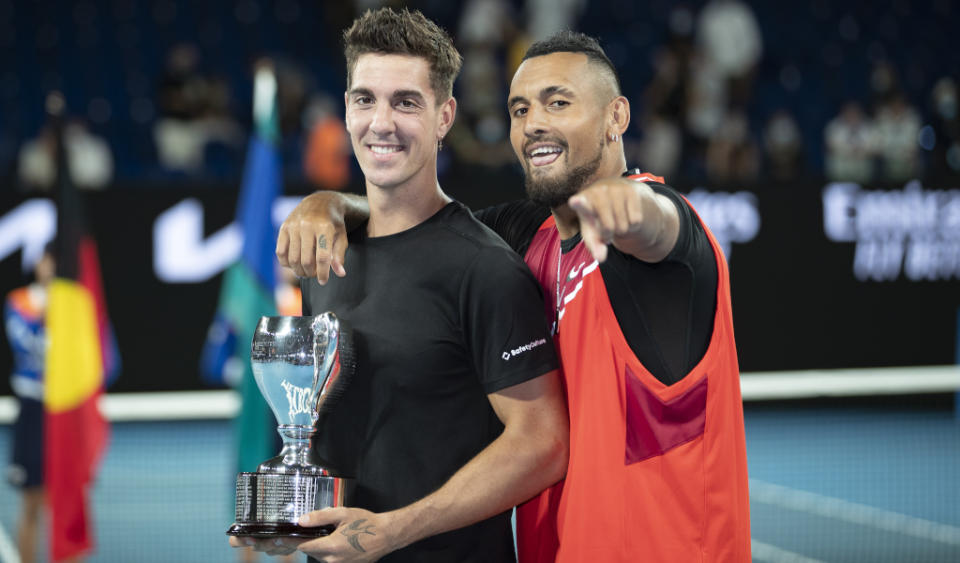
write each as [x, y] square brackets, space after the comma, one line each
[313, 239]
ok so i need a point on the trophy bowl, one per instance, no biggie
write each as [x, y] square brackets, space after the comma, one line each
[302, 366]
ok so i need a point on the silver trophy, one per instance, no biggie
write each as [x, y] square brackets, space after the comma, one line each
[302, 366]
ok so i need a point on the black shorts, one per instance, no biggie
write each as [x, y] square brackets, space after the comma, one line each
[26, 467]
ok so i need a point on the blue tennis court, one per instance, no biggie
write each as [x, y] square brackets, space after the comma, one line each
[164, 493]
[854, 484]
[841, 484]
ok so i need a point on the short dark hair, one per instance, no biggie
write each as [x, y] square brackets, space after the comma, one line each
[390, 32]
[574, 42]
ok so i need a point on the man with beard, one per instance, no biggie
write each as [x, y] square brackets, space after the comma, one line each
[640, 306]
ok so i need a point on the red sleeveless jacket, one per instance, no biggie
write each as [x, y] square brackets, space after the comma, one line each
[656, 473]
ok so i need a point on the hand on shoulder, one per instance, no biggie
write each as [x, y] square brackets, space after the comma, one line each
[313, 239]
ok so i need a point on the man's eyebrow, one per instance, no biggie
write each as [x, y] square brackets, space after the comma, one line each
[408, 94]
[544, 93]
[516, 100]
[360, 92]
[562, 90]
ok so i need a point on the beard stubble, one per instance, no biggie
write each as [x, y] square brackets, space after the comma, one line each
[554, 192]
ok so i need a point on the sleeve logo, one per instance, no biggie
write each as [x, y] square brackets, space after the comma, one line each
[525, 348]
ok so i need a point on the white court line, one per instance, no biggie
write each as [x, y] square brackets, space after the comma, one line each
[8, 551]
[838, 509]
[164, 405]
[767, 553]
[809, 384]
[224, 404]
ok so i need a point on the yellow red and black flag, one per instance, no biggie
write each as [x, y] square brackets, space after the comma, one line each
[80, 354]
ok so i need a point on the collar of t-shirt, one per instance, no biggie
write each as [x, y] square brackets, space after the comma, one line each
[570, 243]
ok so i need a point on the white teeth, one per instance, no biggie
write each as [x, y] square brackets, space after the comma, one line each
[544, 150]
[384, 150]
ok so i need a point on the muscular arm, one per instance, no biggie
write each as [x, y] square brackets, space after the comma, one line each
[627, 213]
[527, 457]
[312, 240]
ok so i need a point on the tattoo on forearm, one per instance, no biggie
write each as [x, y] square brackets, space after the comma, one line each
[322, 241]
[354, 530]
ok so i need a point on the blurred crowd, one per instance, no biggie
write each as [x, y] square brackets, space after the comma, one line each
[696, 116]
[888, 140]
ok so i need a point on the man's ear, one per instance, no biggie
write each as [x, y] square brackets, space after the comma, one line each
[448, 112]
[618, 115]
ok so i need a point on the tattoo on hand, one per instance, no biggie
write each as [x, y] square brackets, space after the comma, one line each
[322, 241]
[354, 530]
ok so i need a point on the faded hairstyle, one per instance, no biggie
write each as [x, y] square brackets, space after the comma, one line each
[575, 42]
[388, 32]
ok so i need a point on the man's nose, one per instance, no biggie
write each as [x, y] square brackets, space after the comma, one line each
[536, 123]
[383, 123]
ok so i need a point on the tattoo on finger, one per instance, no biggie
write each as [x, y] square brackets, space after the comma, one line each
[322, 241]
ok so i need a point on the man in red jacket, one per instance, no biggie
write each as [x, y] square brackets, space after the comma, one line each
[638, 294]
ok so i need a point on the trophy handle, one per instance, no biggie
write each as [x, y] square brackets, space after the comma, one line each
[334, 361]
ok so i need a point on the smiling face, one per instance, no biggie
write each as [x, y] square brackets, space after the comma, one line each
[394, 120]
[558, 121]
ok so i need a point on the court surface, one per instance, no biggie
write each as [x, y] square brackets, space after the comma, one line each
[838, 483]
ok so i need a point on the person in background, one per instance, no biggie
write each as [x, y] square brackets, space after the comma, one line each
[193, 112]
[732, 154]
[851, 144]
[23, 315]
[897, 127]
[783, 146]
[326, 157]
[89, 157]
[945, 109]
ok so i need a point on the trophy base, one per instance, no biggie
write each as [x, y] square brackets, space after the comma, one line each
[270, 504]
[278, 530]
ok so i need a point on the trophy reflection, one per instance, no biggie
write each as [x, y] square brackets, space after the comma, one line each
[302, 366]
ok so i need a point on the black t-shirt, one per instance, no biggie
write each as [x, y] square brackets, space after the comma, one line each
[665, 309]
[442, 315]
